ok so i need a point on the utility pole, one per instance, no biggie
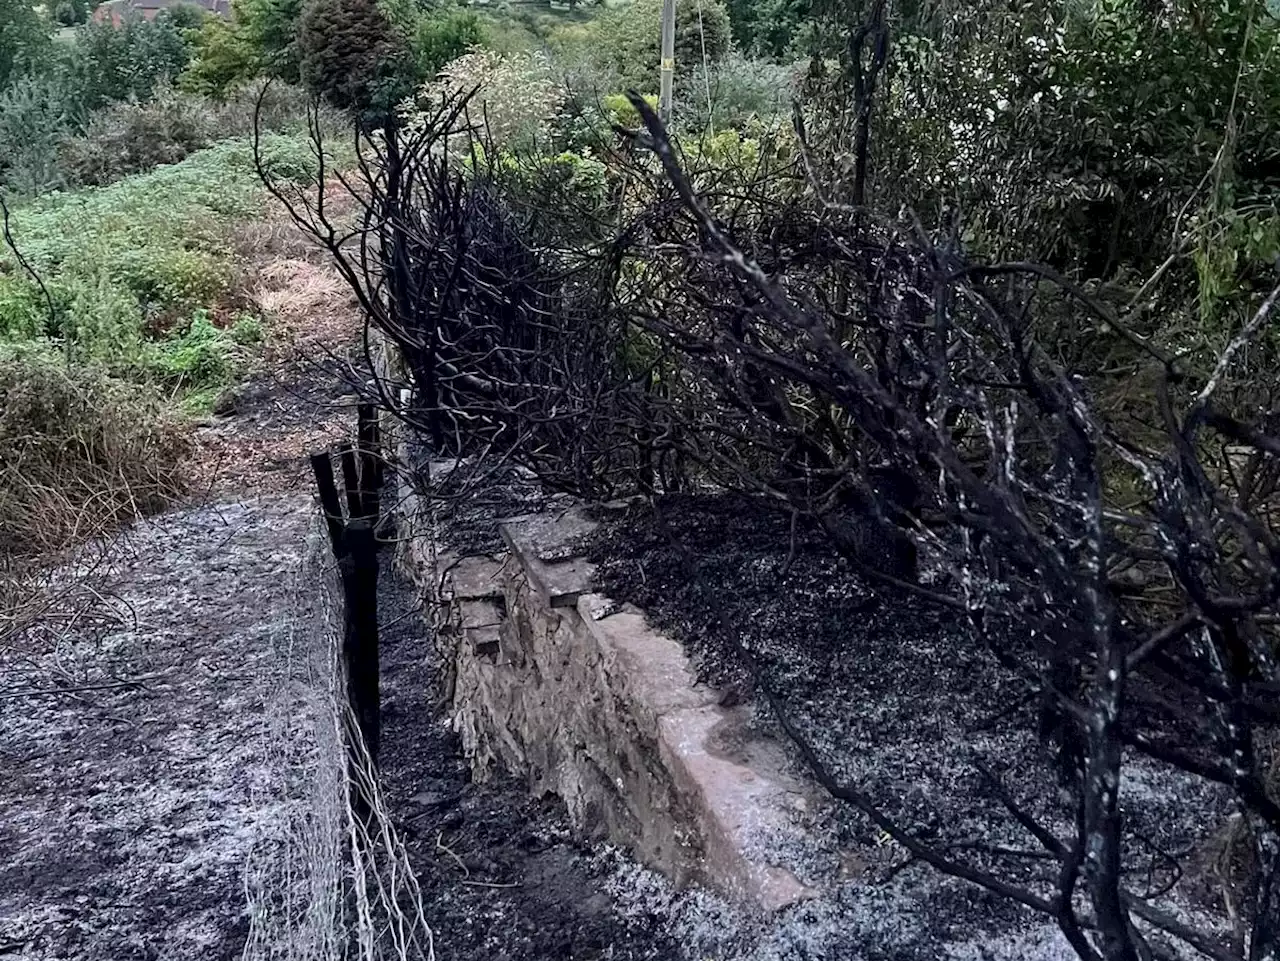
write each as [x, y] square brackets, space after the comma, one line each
[667, 69]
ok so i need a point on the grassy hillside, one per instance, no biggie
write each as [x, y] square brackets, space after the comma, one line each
[125, 313]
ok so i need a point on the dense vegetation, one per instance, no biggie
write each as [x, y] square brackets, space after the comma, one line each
[121, 309]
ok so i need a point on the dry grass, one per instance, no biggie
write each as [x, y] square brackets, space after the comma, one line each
[308, 303]
[293, 404]
[288, 279]
[80, 453]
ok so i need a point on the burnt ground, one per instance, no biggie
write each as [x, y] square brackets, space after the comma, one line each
[501, 873]
[901, 700]
[138, 757]
[156, 735]
[133, 743]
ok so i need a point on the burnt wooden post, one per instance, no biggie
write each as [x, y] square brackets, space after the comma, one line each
[359, 569]
[369, 444]
[353, 536]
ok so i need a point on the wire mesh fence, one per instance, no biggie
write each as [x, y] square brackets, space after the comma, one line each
[324, 882]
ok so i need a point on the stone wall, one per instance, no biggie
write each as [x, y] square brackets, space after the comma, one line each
[578, 696]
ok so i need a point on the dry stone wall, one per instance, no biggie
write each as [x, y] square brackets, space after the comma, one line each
[578, 696]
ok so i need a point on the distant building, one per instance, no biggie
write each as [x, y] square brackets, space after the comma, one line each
[116, 12]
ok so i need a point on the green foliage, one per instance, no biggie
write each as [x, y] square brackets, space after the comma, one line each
[728, 163]
[567, 192]
[128, 138]
[246, 330]
[129, 62]
[24, 39]
[186, 16]
[24, 314]
[1131, 147]
[514, 96]
[621, 112]
[122, 260]
[349, 54]
[1087, 129]
[196, 355]
[769, 28]
[628, 39]
[509, 35]
[34, 117]
[268, 29]
[740, 91]
[221, 59]
[442, 36]
[69, 13]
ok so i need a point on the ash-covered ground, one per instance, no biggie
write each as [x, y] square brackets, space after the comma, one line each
[134, 745]
[901, 700]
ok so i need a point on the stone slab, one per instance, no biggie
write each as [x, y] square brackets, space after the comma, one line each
[743, 810]
[546, 547]
[582, 698]
[474, 578]
[652, 667]
[481, 613]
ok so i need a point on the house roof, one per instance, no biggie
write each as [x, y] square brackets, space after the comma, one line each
[219, 7]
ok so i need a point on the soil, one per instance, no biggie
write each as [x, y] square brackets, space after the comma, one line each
[260, 432]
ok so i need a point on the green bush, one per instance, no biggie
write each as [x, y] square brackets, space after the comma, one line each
[628, 38]
[24, 40]
[24, 312]
[269, 29]
[515, 96]
[69, 13]
[440, 37]
[741, 90]
[272, 106]
[197, 355]
[221, 59]
[349, 54]
[34, 118]
[620, 111]
[769, 28]
[246, 330]
[129, 62]
[122, 260]
[128, 138]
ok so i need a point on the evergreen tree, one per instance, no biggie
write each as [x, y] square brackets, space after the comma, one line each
[349, 54]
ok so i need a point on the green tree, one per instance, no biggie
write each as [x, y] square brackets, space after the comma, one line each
[69, 13]
[269, 28]
[186, 16]
[442, 36]
[767, 28]
[127, 62]
[349, 54]
[629, 39]
[34, 119]
[24, 39]
[260, 40]
[222, 58]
